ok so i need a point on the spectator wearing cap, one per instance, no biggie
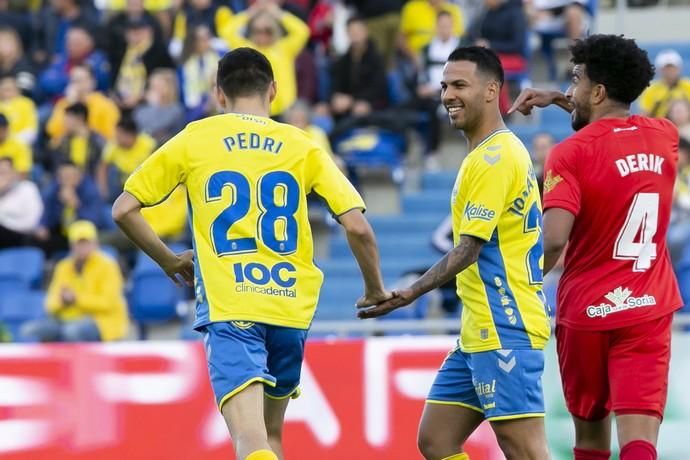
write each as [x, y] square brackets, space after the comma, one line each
[210, 13]
[80, 145]
[20, 110]
[418, 23]
[72, 196]
[54, 21]
[79, 50]
[122, 156]
[142, 56]
[11, 147]
[85, 300]
[102, 111]
[263, 24]
[20, 206]
[656, 99]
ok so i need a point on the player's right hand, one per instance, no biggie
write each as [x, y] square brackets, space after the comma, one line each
[182, 265]
[530, 98]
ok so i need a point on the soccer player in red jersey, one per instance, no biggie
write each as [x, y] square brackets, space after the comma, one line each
[607, 196]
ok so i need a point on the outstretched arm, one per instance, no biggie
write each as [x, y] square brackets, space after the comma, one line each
[456, 260]
[362, 242]
[530, 98]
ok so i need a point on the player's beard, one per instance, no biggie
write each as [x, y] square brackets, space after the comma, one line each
[579, 118]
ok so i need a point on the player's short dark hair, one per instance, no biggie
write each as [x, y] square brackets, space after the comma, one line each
[78, 109]
[486, 60]
[128, 125]
[615, 62]
[443, 13]
[244, 72]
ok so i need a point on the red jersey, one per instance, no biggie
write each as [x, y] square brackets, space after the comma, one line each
[616, 176]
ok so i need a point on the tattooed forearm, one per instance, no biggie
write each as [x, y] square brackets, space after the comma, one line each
[456, 260]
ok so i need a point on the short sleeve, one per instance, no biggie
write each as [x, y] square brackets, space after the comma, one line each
[160, 173]
[327, 181]
[561, 183]
[485, 184]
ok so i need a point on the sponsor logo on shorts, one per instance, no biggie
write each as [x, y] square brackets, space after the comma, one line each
[621, 300]
[478, 211]
[242, 324]
[486, 389]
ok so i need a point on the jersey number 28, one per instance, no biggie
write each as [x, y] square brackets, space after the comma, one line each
[634, 240]
[275, 214]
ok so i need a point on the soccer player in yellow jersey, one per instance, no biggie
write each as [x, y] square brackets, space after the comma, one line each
[495, 372]
[256, 285]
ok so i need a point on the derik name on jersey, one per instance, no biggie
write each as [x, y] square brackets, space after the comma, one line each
[639, 162]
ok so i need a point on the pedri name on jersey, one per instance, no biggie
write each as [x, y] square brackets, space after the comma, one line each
[252, 141]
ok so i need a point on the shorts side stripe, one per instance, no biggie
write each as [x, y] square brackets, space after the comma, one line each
[455, 403]
[515, 416]
[232, 393]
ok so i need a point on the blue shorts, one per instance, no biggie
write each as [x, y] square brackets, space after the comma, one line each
[501, 384]
[241, 352]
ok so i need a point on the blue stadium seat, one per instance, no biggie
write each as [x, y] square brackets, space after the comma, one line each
[153, 299]
[406, 224]
[20, 306]
[427, 202]
[373, 148]
[21, 267]
[442, 181]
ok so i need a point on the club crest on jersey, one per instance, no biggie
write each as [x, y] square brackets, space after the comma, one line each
[551, 181]
[622, 299]
[478, 211]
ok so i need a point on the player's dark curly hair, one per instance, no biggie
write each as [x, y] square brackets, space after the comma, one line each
[244, 72]
[615, 62]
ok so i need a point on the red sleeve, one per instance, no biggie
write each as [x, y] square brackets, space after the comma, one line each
[561, 182]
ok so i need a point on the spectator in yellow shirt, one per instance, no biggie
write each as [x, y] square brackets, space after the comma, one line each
[85, 299]
[122, 156]
[657, 98]
[103, 113]
[80, 145]
[263, 22]
[11, 147]
[19, 110]
[418, 23]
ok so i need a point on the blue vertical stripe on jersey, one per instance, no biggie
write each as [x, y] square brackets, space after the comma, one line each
[200, 298]
[491, 269]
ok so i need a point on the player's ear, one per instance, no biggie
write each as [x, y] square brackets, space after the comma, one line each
[493, 89]
[220, 97]
[598, 94]
[272, 91]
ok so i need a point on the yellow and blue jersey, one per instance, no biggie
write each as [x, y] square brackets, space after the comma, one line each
[247, 178]
[496, 199]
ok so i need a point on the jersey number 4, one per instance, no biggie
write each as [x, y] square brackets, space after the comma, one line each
[276, 227]
[634, 241]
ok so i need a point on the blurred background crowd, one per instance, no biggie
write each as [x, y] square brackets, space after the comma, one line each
[89, 89]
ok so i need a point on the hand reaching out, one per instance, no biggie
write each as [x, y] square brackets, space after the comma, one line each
[399, 298]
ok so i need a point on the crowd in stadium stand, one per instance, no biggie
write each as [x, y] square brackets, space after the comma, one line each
[89, 89]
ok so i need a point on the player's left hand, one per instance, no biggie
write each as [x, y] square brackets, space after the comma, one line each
[373, 298]
[401, 297]
[182, 265]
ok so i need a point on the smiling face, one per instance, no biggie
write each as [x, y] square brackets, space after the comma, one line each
[465, 93]
[579, 93]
